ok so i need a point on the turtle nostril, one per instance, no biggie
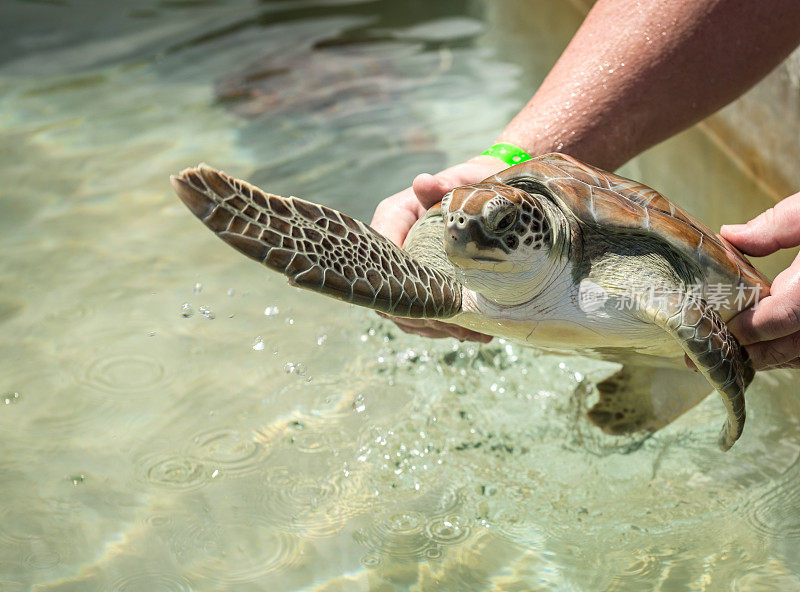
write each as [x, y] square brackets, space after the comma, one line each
[456, 219]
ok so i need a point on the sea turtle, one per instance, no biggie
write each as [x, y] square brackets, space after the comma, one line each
[550, 253]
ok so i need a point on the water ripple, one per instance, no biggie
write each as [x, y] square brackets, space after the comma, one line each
[228, 450]
[124, 374]
[412, 534]
[123, 359]
[644, 567]
[305, 434]
[775, 514]
[32, 523]
[73, 418]
[297, 503]
[187, 535]
[174, 471]
[43, 559]
[398, 535]
[448, 530]
[8, 585]
[45, 384]
[259, 550]
[163, 582]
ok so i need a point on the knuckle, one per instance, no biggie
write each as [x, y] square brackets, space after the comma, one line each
[784, 321]
[765, 218]
[792, 315]
[780, 319]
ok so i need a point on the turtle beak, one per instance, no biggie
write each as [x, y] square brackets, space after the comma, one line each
[463, 237]
[459, 235]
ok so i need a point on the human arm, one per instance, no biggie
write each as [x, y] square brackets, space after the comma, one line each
[636, 73]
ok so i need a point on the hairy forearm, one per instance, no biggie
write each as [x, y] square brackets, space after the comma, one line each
[638, 72]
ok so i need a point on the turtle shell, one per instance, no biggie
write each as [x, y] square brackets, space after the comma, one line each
[607, 200]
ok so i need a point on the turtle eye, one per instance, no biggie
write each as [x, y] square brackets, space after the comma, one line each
[504, 221]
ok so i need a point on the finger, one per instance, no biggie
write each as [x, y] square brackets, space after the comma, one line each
[779, 353]
[430, 189]
[434, 328]
[424, 332]
[776, 316]
[395, 215]
[416, 327]
[460, 333]
[468, 335]
[776, 228]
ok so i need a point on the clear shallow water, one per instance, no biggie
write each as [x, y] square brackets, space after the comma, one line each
[291, 442]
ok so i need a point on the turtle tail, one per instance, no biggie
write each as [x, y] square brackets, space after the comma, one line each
[316, 247]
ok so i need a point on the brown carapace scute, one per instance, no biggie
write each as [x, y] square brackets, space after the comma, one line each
[317, 248]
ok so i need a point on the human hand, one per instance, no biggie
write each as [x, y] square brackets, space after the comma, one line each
[395, 216]
[771, 330]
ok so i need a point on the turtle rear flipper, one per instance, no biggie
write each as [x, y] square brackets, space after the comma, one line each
[713, 349]
[316, 247]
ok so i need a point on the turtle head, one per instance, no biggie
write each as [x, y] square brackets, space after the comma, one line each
[498, 238]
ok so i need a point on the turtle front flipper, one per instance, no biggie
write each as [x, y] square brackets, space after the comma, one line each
[713, 349]
[316, 247]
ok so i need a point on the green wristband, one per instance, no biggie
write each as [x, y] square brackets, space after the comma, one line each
[508, 153]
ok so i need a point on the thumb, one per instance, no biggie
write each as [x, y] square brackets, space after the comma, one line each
[430, 189]
[776, 228]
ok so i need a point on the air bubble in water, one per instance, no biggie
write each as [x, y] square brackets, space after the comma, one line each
[231, 292]
[359, 404]
[198, 287]
[258, 343]
[207, 312]
[11, 398]
[186, 310]
[271, 311]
